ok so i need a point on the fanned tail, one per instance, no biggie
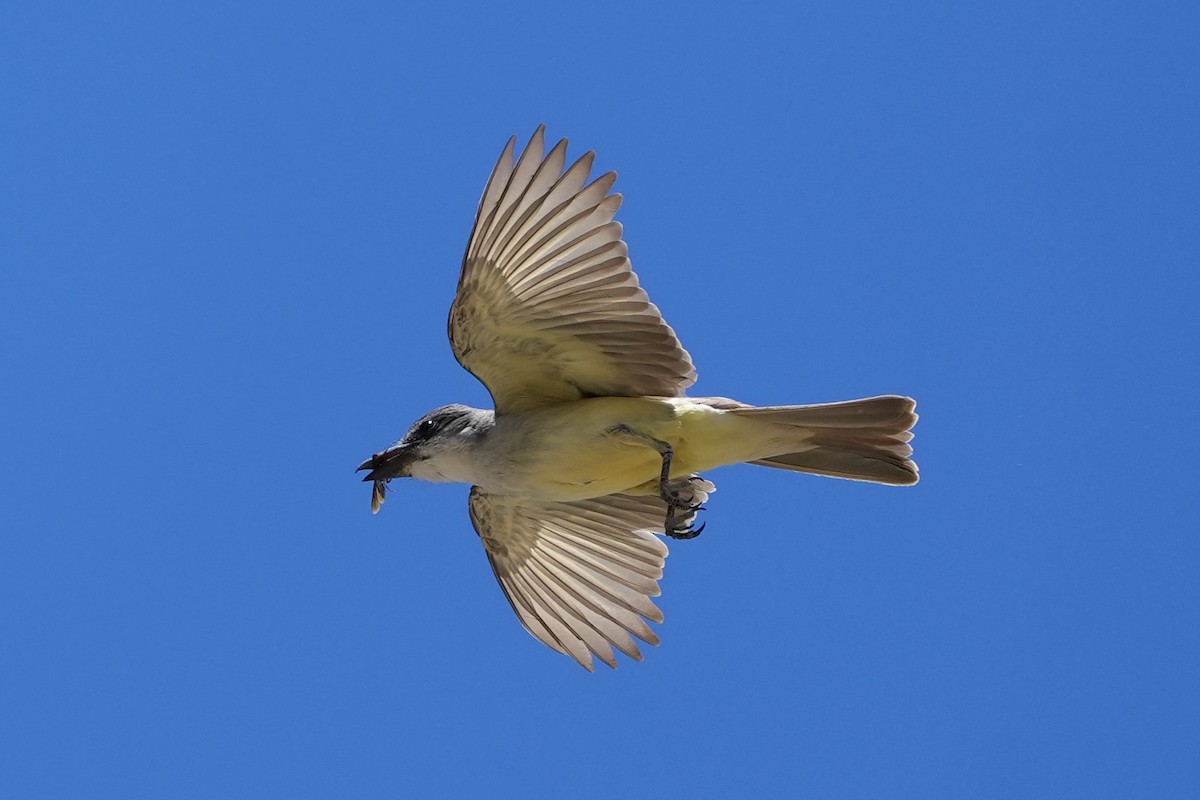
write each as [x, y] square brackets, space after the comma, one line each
[862, 440]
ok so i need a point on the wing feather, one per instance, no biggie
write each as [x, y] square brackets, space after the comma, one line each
[519, 182]
[548, 308]
[497, 183]
[552, 242]
[573, 616]
[567, 640]
[578, 575]
[514, 592]
[601, 616]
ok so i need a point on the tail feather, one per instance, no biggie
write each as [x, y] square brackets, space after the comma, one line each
[862, 440]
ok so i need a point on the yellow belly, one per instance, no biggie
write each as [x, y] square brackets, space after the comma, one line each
[572, 452]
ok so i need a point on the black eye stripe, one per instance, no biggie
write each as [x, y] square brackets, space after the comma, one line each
[437, 422]
[428, 427]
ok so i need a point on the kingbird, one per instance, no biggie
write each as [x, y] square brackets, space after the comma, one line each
[593, 446]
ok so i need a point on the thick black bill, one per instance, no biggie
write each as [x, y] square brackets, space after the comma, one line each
[379, 490]
[391, 463]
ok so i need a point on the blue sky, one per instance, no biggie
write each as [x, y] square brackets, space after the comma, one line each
[231, 233]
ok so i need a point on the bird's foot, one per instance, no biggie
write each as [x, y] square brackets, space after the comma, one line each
[682, 527]
[684, 498]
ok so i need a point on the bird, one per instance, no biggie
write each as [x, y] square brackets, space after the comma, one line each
[593, 450]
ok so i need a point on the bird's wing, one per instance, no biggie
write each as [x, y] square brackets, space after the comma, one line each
[580, 575]
[548, 308]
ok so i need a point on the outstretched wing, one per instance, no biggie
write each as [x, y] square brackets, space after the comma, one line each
[548, 308]
[580, 575]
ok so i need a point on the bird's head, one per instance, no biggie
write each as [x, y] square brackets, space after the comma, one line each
[429, 436]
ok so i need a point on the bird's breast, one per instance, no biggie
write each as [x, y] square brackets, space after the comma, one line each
[566, 452]
[571, 452]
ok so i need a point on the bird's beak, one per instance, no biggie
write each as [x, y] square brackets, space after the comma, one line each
[391, 463]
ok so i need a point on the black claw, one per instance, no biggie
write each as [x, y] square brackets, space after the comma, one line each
[686, 533]
[682, 528]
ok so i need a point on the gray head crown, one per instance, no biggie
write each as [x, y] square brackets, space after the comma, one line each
[443, 422]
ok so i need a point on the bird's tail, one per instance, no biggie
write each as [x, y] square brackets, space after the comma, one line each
[863, 440]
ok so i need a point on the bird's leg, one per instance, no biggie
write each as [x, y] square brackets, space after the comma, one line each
[677, 526]
[669, 495]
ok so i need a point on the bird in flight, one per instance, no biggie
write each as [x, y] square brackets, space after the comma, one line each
[593, 447]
